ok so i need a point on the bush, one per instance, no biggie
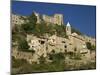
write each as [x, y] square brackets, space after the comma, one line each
[77, 56]
[23, 45]
[90, 46]
[29, 23]
[71, 54]
[27, 28]
[16, 63]
[57, 57]
[42, 60]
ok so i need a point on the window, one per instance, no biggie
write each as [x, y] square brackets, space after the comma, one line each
[42, 42]
[65, 50]
[53, 40]
[65, 46]
[63, 41]
[16, 21]
[70, 44]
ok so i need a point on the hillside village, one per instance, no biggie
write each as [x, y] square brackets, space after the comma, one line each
[72, 46]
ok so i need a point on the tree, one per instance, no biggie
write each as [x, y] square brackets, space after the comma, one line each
[27, 28]
[57, 57]
[22, 44]
[32, 19]
[29, 23]
[90, 46]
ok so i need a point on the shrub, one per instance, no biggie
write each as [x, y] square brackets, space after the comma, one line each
[71, 54]
[42, 60]
[90, 46]
[22, 44]
[57, 57]
[77, 56]
[16, 63]
[29, 23]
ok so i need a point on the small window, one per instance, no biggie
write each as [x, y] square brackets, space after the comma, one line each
[39, 41]
[53, 40]
[50, 58]
[83, 55]
[65, 50]
[17, 53]
[75, 49]
[63, 41]
[70, 44]
[42, 42]
[65, 46]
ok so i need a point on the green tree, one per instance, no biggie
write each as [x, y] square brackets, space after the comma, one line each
[32, 19]
[90, 46]
[22, 44]
[29, 23]
[61, 30]
[57, 57]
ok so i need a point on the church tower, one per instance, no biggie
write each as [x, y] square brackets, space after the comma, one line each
[68, 29]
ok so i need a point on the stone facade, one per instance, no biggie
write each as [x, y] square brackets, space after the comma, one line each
[56, 19]
[48, 19]
[28, 56]
[55, 44]
[15, 20]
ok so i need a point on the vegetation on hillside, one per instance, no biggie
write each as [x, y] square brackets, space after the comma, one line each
[23, 45]
[31, 27]
[90, 46]
[57, 64]
[57, 57]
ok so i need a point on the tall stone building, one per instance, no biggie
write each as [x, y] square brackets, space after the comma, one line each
[58, 19]
[68, 30]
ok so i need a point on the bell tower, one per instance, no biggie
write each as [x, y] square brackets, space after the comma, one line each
[68, 29]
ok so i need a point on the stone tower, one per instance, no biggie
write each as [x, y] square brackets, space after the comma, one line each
[58, 19]
[68, 29]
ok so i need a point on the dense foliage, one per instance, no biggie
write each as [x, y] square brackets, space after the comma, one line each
[90, 46]
[57, 57]
[23, 45]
